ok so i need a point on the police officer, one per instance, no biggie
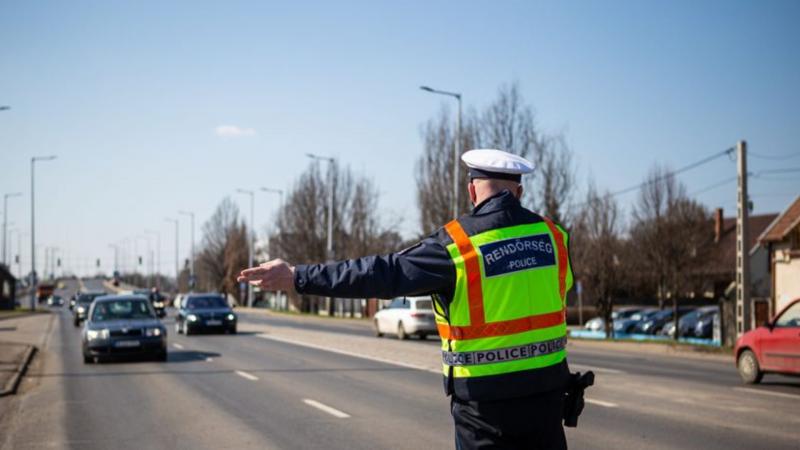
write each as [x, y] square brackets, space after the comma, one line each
[499, 277]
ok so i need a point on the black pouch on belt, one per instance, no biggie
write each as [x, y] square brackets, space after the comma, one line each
[573, 396]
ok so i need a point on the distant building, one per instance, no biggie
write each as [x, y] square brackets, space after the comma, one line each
[781, 240]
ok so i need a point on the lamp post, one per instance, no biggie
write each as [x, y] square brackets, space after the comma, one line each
[148, 262]
[330, 162]
[177, 266]
[158, 255]
[5, 222]
[192, 280]
[250, 241]
[34, 280]
[280, 193]
[116, 257]
[456, 143]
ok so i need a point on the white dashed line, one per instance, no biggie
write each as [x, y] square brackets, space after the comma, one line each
[583, 368]
[601, 403]
[764, 392]
[209, 359]
[178, 346]
[332, 411]
[246, 375]
[355, 355]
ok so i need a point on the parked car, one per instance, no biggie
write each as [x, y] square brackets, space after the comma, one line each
[771, 348]
[205, 312]
[123, 325]
[599, 324]
[627, 324]
[705, 325]
[688, 322]
[55, 300]
[406, 316]
[82, 304]
[654, 323]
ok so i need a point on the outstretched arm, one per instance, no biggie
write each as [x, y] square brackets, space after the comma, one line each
[421, 269]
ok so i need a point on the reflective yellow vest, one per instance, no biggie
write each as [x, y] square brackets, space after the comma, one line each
[508, 309]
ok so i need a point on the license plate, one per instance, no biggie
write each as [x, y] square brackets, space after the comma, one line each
[126, 344]
[213, 323]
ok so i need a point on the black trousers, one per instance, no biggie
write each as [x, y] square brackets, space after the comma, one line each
[522, 423]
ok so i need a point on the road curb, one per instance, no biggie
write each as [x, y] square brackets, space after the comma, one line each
[13, 383]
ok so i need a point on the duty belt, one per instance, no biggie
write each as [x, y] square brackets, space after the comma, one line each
[526, 351]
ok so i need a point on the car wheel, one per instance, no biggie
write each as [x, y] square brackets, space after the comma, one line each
[186, 330]
[401, 332]
[376, 328]
[232, 330]
[748, 367]
[77, 323]
[161, 356]
[88, 359]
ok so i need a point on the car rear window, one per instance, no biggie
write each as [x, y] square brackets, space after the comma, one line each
[121, 310]
[424, 304]
[206, 302]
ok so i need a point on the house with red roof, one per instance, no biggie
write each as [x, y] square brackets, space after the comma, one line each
[781, 239]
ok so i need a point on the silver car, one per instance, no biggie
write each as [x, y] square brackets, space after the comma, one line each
[406, 316]
[123, 325]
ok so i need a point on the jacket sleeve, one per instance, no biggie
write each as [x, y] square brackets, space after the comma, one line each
[425, 268]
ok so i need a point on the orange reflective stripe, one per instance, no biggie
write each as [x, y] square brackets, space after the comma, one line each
[502, 328]
[473, 268]
[562, 258]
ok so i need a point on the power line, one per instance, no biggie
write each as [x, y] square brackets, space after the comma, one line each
[712, 186]
[775, 157]
[782, 170]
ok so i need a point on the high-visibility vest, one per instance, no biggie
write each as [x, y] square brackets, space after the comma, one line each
[508, 308]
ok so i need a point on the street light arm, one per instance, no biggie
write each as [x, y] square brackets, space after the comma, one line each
[437, 91]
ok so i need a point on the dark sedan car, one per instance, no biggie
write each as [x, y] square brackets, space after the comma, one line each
[82, 304]
[205, 312]
[656, 322]
[123, 325]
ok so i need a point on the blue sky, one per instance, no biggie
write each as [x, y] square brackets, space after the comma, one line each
[129, 95]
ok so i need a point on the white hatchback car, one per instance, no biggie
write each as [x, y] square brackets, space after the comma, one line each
[406, 316]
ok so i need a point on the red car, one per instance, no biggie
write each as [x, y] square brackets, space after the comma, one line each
[771, 348]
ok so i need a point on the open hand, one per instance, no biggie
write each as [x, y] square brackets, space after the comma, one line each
[275, 275]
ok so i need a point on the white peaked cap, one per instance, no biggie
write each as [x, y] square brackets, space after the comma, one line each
[488, 161]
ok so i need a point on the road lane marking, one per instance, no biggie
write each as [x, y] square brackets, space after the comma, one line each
[353, 354]
[178, 346]
[595, 369]
[764, 392]
[209, 359]
[246, 375]
[601, 403]
[332, 411]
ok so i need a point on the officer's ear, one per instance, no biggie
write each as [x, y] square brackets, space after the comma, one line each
[519, 191]
[473, 197]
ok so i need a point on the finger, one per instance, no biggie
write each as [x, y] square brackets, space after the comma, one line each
[253, 271]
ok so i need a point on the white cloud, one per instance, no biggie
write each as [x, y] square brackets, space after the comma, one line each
[232, 131]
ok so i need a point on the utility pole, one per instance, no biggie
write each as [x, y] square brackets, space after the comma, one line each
[743, 306]
[278, 304]
[34, 280]
[250, 242]
[158, 256]
[5, 223]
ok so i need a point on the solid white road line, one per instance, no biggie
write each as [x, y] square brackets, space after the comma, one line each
[347, 353]
[601, 403]
[178, 346]
[332, 411]
[583, 368]
[765, 392]
[246, 375]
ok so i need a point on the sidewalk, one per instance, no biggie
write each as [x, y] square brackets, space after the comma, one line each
[19, 338]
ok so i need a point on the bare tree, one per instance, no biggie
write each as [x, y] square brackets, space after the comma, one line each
[596, 246]
[224, 241]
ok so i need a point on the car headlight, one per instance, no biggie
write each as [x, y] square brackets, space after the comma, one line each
[191, 318]
[152, 332]
[158, 304]
[97, 334]
[81, 309]
[231, 316]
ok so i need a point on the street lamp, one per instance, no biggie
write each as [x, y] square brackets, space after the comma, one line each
[34, 281]
[250, 244]
[4, 108]
[177, 266]
[330, 162]
[456, 143]
[191, 264]
[5, 222]
[158, 255]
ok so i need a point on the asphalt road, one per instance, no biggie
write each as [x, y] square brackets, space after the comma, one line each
[219, 391]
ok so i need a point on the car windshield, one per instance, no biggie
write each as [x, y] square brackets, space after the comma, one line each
[121, 310]
[206, 302]
[88, 298]
[424, 304]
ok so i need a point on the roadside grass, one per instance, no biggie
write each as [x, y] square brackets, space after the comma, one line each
[681, 346]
